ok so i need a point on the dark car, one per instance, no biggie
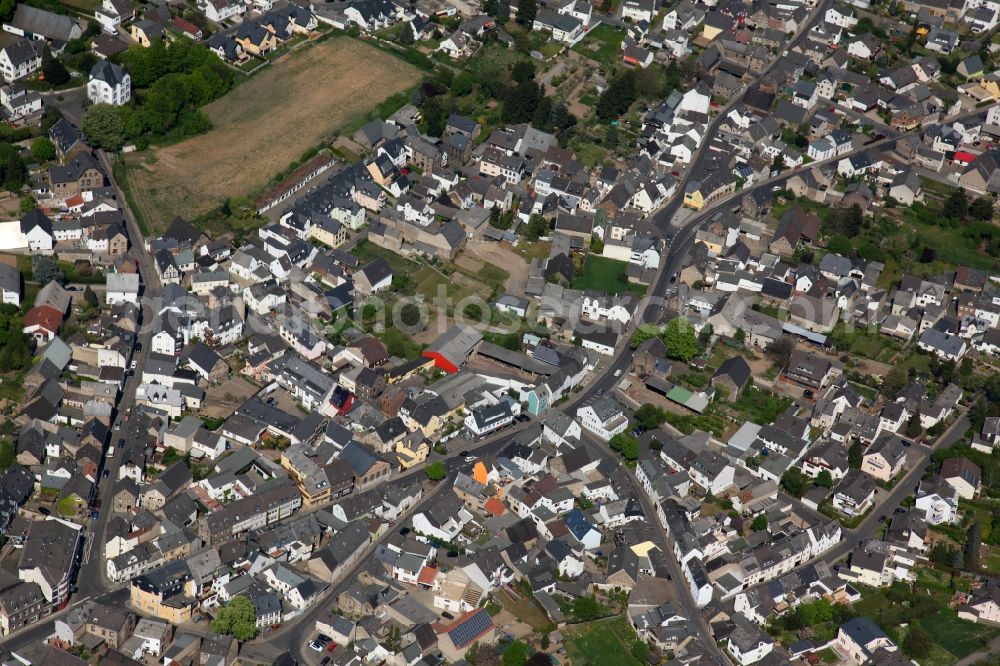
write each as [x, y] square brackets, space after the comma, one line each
[105, 474]
[899, 509]
[448, 616]
[463, 453]
[882, 519]
[808, 394]
[326, 660]
[45, 512]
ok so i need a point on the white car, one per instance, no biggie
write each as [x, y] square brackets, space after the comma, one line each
[469, 459]
[313, 645]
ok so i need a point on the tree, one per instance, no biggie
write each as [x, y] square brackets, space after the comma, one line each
[893, 381]
[705, 336]
[237, 619]
[956, 205]
[55, 72]
[918, 642]
[12, 172]
[90, 298]
[759, 523]
[840, 245]
[516, 654]
[521, 102]
[523, 70]
[104, 126]
[680, 339]
[526, 12]
[649, 416]
[824, 479]
[855, 455]
[618, 96]
[778, 163]
[982, 209]
[436, 471]
[8, 454]
[973, 544]
[586, 608]
[794, 482]
[45, 270]
[781, 350]
[913, 428]
[43, 150]
[630, 449]
[622, 441]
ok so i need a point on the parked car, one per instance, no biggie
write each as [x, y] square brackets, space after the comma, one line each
[106, 473]
[45, 512]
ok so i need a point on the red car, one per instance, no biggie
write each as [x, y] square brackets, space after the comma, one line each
[331, 647]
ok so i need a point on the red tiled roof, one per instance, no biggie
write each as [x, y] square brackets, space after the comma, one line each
[427, 576]
[45, 317]
[494, 506]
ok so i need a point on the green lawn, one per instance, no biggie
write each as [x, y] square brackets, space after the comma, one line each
[603, 44]
[760, 405]
[602, 642]
[603, 274]
[959, 637]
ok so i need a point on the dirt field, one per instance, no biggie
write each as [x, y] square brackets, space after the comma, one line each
[499, 255]
[223, 399]
[264, 125]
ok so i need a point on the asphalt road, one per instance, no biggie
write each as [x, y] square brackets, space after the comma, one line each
[91, 579]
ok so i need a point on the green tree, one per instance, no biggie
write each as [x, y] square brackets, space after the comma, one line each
[794, 482]
[516, 654]
[104, 126]
[956, 205]
[649, 416]
[680, 339]
[824, 479]
[982, 209]
[840, 245]
[918, 642]
[55, 72]
[237, 619]
[620, 441]
[973, 544]
[13, 175]
[855, 455]
[759, 523]
[521, 102]
[523, 70]
[587, 608]
[778, 164]
[781, 350]
[527, 10]
[618, 96]
[913, 428]
[7, 8]
[436, 471]
[630, 449]
[90, 297]
[893, 381]
[43, 150]
[45, 270]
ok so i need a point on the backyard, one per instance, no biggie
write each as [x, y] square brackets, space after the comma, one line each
[603, 44]
[601, 642]
[262, 126]
[603, 274]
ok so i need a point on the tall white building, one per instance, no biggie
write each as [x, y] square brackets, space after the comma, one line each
[109, 84]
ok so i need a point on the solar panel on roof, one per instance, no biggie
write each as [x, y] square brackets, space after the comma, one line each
[471, 628]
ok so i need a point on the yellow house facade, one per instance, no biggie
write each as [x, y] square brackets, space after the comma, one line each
[412, 454]
[176, 610]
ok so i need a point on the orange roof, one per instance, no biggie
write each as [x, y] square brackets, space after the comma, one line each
[76, 200]
[494, 506]
[479, 473]
[427, 576]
